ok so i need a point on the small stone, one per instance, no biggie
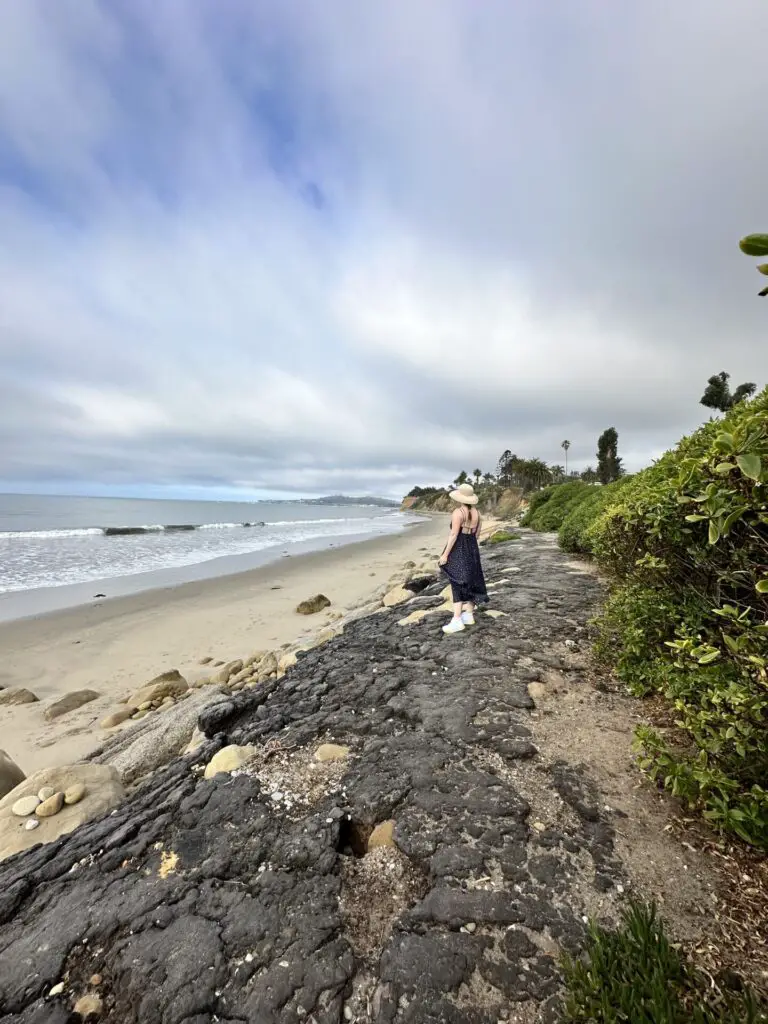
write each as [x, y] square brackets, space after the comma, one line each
[74, 794]
[277, 795]
[396, 596]
[140, 714]
[536, 690]
[145, 705]
[470, 927]
[495, 614]
[228, 759]
[11, 775]
[57, 989]
[95, 980]
[206, 661]
[116, 718]
[348, 1014]
[26, 806]
[540, 826]
[31, 823]
[51, 806]
[229, 670]
[88, 1005]
[46, 793]
[382, 835]
[331, 752]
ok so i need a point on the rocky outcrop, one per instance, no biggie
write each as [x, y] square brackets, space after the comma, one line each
[54, 802]
[169, 684]
[430, 875]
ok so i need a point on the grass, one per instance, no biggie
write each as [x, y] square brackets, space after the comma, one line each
[635, 975]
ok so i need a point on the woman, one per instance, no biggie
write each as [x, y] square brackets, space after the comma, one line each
[460, 560]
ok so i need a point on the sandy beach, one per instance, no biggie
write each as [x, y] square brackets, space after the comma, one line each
[115, 646]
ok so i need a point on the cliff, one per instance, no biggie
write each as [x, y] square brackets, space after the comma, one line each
[494, 500]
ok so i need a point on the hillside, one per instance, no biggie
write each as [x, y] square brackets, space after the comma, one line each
[494, 500]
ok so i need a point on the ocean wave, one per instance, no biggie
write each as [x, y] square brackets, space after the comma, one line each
[119, 531]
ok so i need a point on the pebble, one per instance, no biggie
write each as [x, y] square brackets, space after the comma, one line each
[470, 926]
[46, 793]
[88, 1005]
[277, 795]
[57, 989]
[95, 980]
[31, 824]
[348, 1014]
[26, 806]
[74, 794]
[50, 806]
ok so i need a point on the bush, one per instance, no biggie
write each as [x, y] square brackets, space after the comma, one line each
[502, 536]
[636, 976]
[686, 543]
[575, 534]
[550, 507]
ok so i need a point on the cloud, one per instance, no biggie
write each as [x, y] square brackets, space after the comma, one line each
[292, 248]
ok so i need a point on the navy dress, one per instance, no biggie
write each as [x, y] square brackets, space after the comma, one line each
[463, 567]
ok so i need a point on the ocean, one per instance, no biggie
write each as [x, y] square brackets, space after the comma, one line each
[56, 542]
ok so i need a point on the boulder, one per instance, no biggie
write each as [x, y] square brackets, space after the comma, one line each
[313, 605]
[229, 670]
[10, 774]
[331, 752]
[69, 702]
[104, 793]
[17, 695]
[228, 759]
[156, 739]
[169, 684]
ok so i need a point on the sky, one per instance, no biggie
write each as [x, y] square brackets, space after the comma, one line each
[266, 247]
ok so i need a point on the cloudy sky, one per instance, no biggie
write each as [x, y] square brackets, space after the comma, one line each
[290, 246]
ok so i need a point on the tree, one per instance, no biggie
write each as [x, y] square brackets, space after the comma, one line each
[718, 393]
[488, 478]
[589, 476]
[558, 473]
[756, 245]
[503, 469]
[608, 461]
[477, 473]
[461, 478]
[565, 446]
[537, 473]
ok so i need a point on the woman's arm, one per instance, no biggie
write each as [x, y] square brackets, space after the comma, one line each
[455, 527]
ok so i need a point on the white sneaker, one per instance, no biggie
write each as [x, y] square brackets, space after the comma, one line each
[468, 618]
[454, 626]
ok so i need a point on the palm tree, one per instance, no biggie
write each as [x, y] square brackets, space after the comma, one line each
[538, 473]
[718, 393]
[461, 478]
[558, 473]
[477, 473]
[565, 446]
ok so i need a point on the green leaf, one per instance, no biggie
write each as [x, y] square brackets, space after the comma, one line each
[754, 245]
[724, 468]
[763, 268]
[750, 465]
[714, 531]
[695, 518]
[724, 442]
[706, 659]
[733, 518]
[762, 585]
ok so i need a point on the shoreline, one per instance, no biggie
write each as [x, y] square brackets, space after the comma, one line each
[17, 605]
[117, 645]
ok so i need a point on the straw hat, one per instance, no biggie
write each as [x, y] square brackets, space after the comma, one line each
[464, 495]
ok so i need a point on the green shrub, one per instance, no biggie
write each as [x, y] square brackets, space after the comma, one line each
[574, 532]
[536, 501]
[686, 543]
[636, 976]
[548, 514]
